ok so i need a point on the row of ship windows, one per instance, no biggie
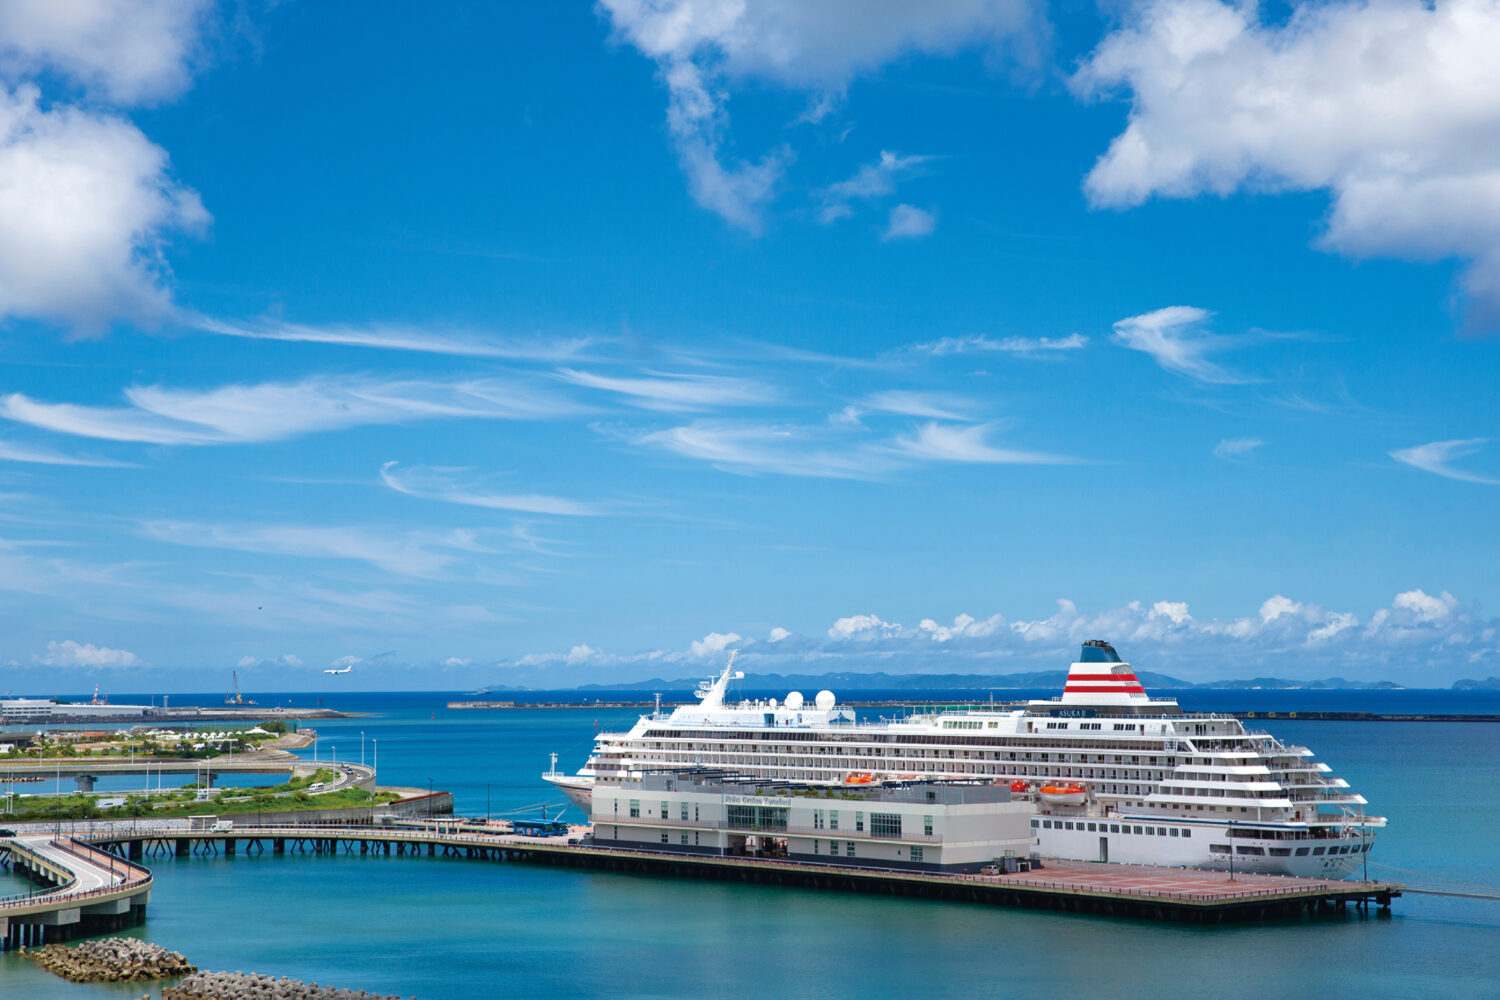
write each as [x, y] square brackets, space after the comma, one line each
[952, 754]
[1287, 852]
[1152, 831]
[1021, 741]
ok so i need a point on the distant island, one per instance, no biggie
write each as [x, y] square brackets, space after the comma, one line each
[1042, 679]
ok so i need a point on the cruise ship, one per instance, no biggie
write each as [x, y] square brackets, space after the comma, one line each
[1116, 775]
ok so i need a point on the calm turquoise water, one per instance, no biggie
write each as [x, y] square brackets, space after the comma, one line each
[446, 928]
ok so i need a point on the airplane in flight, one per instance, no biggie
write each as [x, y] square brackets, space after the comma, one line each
[344, 671]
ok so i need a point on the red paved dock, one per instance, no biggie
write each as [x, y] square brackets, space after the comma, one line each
[1184, 883]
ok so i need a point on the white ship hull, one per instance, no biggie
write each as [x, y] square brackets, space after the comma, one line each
[1176, 844]
[579, 788]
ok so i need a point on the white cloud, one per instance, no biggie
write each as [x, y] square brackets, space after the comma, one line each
[271, 411]
[284, 660]
[1275, 607]
[346, 661]
[863, 627]
[457, 661]
[1235, 447]
[1425, 607]
[1177, 611]
[413, 554]
[909, 222]
[676, 392]
[714, 642]
[1438, 456]
[936, 406]
[85, 211]
[444, 484]
[127, 51]
[979, 343]
[1176, 338]
[946, 443]
[782, 449]
[1392, 106]
[703, 47]
[871, 181]
[42, 456]
[398, 338]
[70, 654]
[1418, 639]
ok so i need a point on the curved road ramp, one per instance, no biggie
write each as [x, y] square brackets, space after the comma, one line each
[82, 890]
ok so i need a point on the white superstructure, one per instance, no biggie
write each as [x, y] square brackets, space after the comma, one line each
[1159, 786]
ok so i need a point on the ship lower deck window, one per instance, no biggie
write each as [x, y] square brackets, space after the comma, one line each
[1247, 849]
[1301, 852]
[1318, 850]
[1174, 832]
[1281, 852]
[1137, 829]
[1114, 828]
[1187, 833]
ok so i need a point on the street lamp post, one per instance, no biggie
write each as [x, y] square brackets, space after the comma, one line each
[429, 800]
[486, 803]
[361, 748]
[1231, 850]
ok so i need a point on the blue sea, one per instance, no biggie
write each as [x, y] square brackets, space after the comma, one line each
[444, 929]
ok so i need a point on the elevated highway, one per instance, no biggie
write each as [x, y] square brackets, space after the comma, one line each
[82, 889]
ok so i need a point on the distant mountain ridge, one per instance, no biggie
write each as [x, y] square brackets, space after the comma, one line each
[985, 682]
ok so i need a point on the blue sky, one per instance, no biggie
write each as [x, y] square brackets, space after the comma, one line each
[545, 344]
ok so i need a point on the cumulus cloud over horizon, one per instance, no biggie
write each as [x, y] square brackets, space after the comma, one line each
[69, 653]
[1419, 639]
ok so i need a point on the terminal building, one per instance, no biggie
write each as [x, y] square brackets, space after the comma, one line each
[931, 826]
[18, 711]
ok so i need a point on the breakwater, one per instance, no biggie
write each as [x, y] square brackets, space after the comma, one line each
[111, 960]
[252, 986]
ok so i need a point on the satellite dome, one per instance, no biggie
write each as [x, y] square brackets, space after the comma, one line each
[773, 702]
[794, 701]
[825, 700]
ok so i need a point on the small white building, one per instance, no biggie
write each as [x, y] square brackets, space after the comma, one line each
[920, 826]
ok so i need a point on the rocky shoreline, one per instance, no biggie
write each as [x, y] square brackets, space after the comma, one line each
[110, 960]
[251, 986]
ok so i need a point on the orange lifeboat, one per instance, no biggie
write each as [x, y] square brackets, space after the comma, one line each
[1064, 795]
[1019, 786]
[859, 778]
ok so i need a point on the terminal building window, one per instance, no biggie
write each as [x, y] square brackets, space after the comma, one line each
[926, 826]
[635, 807]
[916, 854]
[885, 824]
[859, 822]
[757, 817]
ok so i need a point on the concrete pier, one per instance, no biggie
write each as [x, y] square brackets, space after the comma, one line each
[1132, 891]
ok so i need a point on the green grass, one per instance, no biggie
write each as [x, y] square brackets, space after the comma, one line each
[77, 806]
